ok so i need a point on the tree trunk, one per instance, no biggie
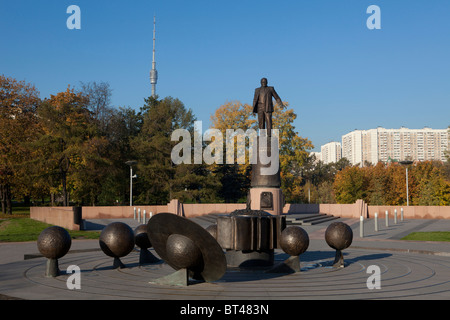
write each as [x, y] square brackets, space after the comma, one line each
[8, 200]
[3, 198]
[64, 182]
[64, 191]
[52, 198]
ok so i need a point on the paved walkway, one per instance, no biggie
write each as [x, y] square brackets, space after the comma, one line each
[408, 270]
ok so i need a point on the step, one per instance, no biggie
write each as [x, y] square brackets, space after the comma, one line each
[321, 220]
[310, 219]
[303, 216]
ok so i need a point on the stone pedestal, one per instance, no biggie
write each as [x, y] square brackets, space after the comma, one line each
[265, 192]
[267, 199]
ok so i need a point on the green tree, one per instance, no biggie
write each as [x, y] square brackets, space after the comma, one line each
[158, 179]
[121, 126]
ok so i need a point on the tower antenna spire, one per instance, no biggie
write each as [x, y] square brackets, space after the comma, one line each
[153, 72]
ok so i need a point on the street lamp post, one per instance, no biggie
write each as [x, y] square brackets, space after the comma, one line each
[131, 163]
[406, 163]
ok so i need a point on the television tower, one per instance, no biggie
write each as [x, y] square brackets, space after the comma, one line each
[153, 72]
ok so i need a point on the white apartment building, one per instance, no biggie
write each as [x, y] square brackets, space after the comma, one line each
[382, 144]
[317, 155]
[331, 152]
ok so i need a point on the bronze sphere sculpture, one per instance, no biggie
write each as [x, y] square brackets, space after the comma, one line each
[143, 242]
[117, 240]
[183, 252]
[339, 236]
[53, 243]
[294, 240]
[141, 237]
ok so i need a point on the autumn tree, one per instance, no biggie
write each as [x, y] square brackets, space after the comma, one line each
[18, 125]
[350, 184]
[234, 177]
[293, 148]
[70, 151]
[431, 188]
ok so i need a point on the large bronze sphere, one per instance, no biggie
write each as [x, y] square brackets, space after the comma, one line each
[183, 252]
[117, 239]
[54, 242]
[294, 240]
[339, 235]
[141, 237]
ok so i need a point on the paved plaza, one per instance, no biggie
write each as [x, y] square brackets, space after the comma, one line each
[408, 270]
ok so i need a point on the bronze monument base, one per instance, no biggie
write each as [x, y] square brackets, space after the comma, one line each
[249, 258]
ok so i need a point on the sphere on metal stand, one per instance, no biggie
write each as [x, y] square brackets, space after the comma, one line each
[117, 240]
[294, 241]
[183, 252]
[339, 236]
[53, 243]
[143, 242]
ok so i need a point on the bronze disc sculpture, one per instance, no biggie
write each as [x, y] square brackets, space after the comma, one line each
[294, 241]
[53, 243]
[117, 240]
[339, 236]
[186, 247]
[143, 242]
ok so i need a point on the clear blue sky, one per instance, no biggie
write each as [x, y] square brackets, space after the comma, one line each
[319, 55]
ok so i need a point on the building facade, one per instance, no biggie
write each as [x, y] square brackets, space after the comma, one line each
[374, 145]
[331, 152]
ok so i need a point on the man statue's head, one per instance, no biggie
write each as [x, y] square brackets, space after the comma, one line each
[264, 82]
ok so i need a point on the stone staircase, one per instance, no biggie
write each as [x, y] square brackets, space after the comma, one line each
[302, 219]
[206, 220]
[308, 219]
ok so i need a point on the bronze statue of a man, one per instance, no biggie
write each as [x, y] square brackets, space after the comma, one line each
[263, 105]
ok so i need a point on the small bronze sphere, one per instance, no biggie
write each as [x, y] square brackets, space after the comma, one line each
[54, 242]
[141, 237]
[212, 229]
[183, 252]
[294, 240]
[339, 235]
[117, 239]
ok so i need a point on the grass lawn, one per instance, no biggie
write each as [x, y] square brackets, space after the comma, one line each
[429, 236]
[25, 229]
